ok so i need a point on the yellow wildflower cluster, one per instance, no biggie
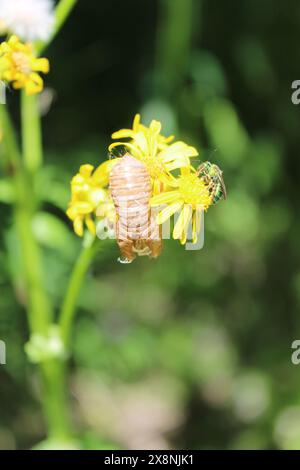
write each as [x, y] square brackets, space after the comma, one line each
[176, 184]
[89, 198]
[19, 66]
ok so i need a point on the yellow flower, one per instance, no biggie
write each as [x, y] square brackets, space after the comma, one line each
[19, 66]
[138, 128]
[190, 196]
[88, 196]
[156, 151]
[101, 174]
[189, 193]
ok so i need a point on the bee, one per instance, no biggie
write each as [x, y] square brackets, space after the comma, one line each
[136, 229]
[213, 177]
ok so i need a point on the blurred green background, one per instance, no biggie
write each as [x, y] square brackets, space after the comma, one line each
[192, 350]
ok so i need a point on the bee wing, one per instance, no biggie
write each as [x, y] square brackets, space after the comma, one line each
[201, 168]
[223, 185]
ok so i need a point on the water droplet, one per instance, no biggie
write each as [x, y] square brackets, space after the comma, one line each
[124, 260]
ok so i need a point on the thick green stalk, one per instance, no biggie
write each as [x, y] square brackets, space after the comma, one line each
[173, 44]
[38, 305]
[12, 155]
[68, 308]
[62, 12]
[39, 308]
[31, 132]
[53, 371]
[55, 399]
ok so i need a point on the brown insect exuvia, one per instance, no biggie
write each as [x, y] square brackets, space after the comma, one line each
[136, 230]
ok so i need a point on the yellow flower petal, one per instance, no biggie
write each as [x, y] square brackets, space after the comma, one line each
[167, 140]
[40, 65]
[34, 84]
[179, 149]
[136, 122]
[78, 226]
[197, 220]
[165, 198]
[185, 170]
[123, 134]
[155, 127]
[90, 225]
[183, 238]
[178, 163]
[182, 223]
[142, 142]
[83, 207]
[86, 170]
[167, 212]
[101, 174]
[71, 212]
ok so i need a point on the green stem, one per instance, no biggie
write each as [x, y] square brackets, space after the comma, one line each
[62, 12]
[38, 305]
[55, 399]
[80, 269]
[31, 131]
[39, 309]
[11, 154]
[173, 44]
[53, 372]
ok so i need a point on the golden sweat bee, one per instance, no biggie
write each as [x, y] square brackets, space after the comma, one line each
[136, 229]
[213, 177]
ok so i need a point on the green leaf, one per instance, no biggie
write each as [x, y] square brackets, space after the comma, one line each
[53, 233]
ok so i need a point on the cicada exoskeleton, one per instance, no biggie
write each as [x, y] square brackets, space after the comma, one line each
[136, 229]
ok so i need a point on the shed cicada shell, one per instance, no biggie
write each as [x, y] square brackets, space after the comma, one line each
[136, 230]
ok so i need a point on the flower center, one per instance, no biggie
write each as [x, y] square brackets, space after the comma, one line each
[193, 190]
[153, 165]
[22, 62]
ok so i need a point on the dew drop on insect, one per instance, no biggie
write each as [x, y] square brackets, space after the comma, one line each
[124, 260]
